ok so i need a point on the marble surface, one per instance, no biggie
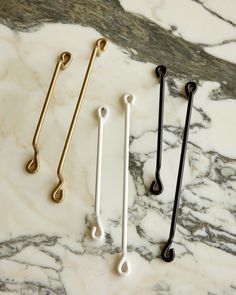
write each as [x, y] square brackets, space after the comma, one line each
[45, 248]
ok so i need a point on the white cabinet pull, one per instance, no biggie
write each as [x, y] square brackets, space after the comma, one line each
[97, 232]
[123, 266]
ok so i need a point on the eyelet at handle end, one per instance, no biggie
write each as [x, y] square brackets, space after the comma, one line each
[156, 187]
[161, 71]
[97, 233]
[65, 58]
[101, 45]
[190, 88]
[58, 194]
[103, 112]
[32, 166]
[123, 267]
[129, 99]
[168, 254]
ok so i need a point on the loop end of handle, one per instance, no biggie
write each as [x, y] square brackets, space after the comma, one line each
[190, 88]
[32, 166]
[123, 267]
[168, 254]
[129, 99]
[156, 187]
[103, 112]
[65, 59]
[58, 194]
[97, 233]
[161, 71]
[101, 45]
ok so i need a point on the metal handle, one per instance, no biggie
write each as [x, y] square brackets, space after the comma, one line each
[168, 253]
[97, 232]
[63, 61]
[58, 193]
[157, 186]
[123, 266]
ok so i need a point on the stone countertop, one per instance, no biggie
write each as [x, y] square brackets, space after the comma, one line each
[45, 248]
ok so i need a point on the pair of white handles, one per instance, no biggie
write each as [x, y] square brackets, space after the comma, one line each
[97, 231]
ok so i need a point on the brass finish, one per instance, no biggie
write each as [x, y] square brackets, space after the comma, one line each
[58, 193]
[63, 61]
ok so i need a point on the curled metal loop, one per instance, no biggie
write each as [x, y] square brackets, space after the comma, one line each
[168, 253]
[123, 267]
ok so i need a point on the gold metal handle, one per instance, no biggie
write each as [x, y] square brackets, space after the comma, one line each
[63, 61]
[58, 193]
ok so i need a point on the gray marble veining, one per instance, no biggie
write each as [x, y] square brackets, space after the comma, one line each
[46, 249]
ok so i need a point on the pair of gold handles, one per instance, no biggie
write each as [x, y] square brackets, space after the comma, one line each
[64, 60]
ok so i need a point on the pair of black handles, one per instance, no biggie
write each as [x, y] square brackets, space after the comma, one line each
[168, 253]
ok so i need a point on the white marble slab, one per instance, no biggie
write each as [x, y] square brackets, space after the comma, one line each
[45, 247]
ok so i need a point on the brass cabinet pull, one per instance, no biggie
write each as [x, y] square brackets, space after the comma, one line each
[58, 193]
[63, 61]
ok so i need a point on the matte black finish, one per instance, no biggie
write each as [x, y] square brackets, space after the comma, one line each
[168, 254]
[157, 186]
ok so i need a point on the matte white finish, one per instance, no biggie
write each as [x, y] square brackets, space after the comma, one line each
[123, 266]
[97, 232]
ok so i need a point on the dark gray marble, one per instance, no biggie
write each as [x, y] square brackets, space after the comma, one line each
[130, 31]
